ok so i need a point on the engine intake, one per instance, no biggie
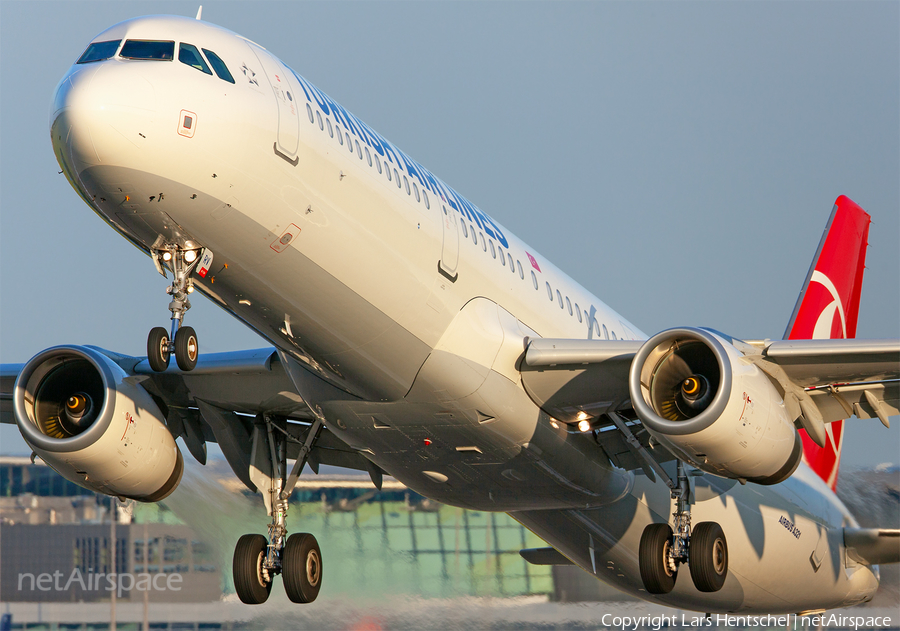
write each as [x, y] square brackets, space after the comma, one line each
[695, 393]
[76, 410]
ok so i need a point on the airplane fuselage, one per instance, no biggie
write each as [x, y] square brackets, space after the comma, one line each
[355, 260]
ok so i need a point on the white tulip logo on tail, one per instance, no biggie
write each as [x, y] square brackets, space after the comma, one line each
[822, 330]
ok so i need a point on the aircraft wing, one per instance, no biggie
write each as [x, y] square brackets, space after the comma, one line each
[218, 401]
[842, 377]
[8, 374]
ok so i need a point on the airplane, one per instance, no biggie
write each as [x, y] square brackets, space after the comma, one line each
[414, 336]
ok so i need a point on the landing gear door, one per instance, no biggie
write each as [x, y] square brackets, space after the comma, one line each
[450, 248]
[284, 89]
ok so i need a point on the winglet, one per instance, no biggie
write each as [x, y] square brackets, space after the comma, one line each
[199, 12]
[828, 308]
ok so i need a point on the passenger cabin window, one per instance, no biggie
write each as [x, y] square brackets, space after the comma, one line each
[569, 305]
[465, 230]
[397, 177]
[512, 267]
[358, 150]
[387, 170]
[309, 111]
[605, 332]
[190, 56]
[406, 184]
[378, 163]
[559, 299]
[578, 311]
[474, 236]
[502, 256]
[549, 291]
[368, 156]
[427, 203]
[483, 244]
[218, 65]
[330, 128]
[493, 251]
[319, 118]
[416, 191]
[349, 142]
[148, 50]
[340, 137]
[98, 51]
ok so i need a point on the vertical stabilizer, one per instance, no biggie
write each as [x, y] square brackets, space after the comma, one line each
[828, 308]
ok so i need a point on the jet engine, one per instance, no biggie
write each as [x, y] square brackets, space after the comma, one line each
[82, 414]
[699, 396]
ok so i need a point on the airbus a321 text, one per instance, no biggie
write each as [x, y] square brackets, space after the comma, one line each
[414, 336]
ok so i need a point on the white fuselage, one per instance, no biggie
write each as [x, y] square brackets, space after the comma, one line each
[351, 257]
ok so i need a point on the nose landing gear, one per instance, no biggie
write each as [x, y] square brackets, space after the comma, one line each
[183, 339]
[662, 549]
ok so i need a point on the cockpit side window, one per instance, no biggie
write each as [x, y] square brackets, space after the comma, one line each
[189, 55]
[147, 49]
[219, 66]
[98, 51]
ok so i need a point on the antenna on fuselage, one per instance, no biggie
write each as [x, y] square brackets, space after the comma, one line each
[199, 11]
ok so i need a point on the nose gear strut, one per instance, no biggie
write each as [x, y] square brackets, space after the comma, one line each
[181, 340]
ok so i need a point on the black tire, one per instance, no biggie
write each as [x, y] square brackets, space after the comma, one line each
[708, 556]
[158, 349]
[249, 582]
[301, 568]
[187, 350]
[656, 574]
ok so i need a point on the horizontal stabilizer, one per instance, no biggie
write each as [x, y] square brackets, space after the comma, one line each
[544, 556]
[873, 546]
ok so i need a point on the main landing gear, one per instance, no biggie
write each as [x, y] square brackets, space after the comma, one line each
[182, 340]
[257, 559]
[662, 549]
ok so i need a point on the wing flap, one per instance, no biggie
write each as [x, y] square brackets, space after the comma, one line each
[809, 363]
[863, 400]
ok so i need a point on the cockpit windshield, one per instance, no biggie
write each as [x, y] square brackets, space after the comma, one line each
[158, 50]
[188, 54]
[148, 49]
[98, 51]
[219, 66]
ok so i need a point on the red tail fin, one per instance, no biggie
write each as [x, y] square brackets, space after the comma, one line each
[828, 307]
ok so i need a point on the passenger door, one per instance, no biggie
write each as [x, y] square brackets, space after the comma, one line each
[450, 249]
[284, 89]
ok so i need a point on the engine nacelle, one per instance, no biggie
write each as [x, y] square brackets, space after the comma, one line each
[696, 394]
[77, 411]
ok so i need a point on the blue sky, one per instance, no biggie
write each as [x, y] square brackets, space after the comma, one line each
[633, 144]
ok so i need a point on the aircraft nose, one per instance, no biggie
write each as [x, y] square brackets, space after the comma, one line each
[101, 113]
